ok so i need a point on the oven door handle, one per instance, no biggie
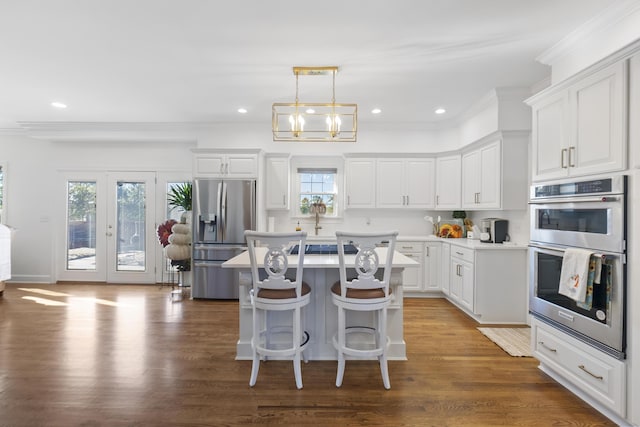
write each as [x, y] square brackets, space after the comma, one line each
[601, 199]
[604, 255]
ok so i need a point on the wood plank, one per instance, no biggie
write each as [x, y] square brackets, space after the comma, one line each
[145, 360]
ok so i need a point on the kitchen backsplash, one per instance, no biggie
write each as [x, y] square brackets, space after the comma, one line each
[408, 223]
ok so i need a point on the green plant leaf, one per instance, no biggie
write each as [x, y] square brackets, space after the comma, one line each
[180, 196]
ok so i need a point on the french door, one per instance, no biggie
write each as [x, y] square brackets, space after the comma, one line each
[110, 228]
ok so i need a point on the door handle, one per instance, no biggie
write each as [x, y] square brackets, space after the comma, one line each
[572, 152]
[563, 154]
[109, 234]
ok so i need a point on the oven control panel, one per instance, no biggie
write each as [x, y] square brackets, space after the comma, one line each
[613, 185]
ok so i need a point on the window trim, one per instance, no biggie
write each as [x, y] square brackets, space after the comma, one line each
[317, 163]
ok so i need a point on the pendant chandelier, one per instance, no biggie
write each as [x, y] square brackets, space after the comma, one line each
[306, 121]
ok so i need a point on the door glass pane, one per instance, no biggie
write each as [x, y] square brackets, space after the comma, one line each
[131, 226]
[81, 225]
[580, 220]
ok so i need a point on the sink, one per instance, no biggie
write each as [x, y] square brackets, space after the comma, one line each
[323, 249]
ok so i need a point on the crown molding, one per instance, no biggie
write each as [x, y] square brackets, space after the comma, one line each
[598, 24]
[111, 131]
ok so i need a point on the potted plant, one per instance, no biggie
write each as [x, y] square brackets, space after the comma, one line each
[180, 196]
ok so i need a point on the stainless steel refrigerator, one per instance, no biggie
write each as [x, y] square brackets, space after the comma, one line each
[222, 211]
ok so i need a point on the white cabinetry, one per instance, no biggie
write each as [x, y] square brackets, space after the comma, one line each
[445, 266]
[495, 172]
[448, 182]
[461, 277]
[481, 176]
[489, 284]
[213, 164]
[277, 181]
[411, 277]
[431, 267]
[360, 183]
[592, 374]
[405, 183]
[580, 128]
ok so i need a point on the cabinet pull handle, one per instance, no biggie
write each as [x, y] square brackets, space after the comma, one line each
[572, 152]
[563, 153]
[221, 168]
[547, 347]
[459, 253]
[458, 270]
[226, 168]
[428, 254]
[437, 200]
[348, 200]
[598, 377]
[284, 199]
[407, 200]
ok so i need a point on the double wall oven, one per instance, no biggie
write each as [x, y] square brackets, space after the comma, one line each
[588, 214]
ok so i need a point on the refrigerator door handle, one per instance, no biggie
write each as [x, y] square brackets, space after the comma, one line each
[223, 209]
[218, 214]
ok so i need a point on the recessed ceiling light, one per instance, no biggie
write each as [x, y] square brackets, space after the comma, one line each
[242, 110]
[58, 105]
[376, 111]
[310, 111]
[440, 111]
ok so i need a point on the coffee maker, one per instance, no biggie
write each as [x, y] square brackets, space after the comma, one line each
[493, 230]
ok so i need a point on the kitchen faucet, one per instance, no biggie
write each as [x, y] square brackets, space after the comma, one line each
[318, 226]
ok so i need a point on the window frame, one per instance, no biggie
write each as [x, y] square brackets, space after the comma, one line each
[320, 164]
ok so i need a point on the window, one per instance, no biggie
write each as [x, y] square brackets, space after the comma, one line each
[81, 225]
[317, 187]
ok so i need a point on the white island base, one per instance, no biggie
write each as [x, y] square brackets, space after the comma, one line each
[320, 317]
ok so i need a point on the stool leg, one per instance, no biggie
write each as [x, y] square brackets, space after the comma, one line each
[255, 366]
[295, 338]
[382, 337]
[341, 344]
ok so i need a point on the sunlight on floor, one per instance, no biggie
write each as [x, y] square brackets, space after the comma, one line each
[72, 300]
[45, 301]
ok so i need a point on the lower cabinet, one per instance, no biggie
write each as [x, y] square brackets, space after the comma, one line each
[411, 277]
[431, 267]
[461, 276]
[489, 284]
[591, 374]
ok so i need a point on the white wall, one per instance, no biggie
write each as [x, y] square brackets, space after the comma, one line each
[36, 195]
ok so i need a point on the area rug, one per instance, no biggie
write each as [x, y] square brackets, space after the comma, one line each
[515, 341]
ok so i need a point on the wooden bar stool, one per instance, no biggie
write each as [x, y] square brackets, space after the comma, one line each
[273, 291]
[367, 292]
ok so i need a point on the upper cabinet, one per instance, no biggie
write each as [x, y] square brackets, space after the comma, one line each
[448, 182]
[277, 181]
[495, 172]
[405, 183]
[360, 183]
[580, 129]
[481, 171]
[227, 164]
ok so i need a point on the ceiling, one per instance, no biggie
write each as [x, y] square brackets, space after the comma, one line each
[200, 60]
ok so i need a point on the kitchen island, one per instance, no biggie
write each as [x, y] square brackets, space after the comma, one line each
[320, 317]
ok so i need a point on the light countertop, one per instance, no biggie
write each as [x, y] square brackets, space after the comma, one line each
[463, 242]
[320, 261]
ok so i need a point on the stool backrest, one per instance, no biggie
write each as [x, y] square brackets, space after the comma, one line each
[269, 252]
[367, 261]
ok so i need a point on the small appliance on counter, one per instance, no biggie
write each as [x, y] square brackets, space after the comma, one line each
[493, 230]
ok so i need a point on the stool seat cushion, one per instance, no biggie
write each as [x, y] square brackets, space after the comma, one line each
[359, 293]
[283, 293]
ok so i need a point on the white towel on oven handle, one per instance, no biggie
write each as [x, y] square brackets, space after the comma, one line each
[575, 273]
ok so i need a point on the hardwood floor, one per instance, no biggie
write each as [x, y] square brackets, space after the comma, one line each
[118, 355]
